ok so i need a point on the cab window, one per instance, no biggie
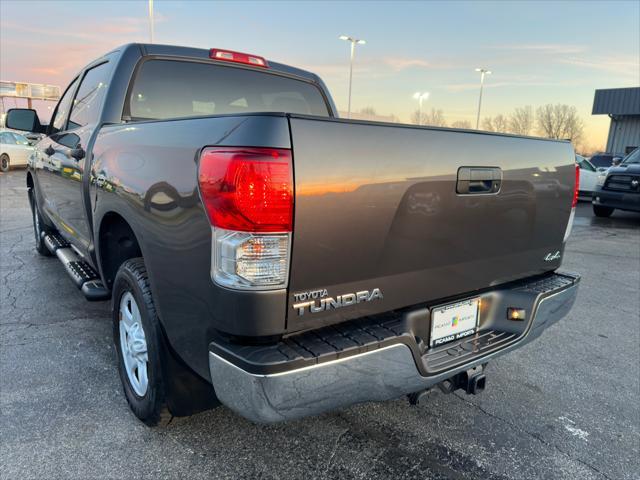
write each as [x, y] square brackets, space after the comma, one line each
[60, 116]
[86, 105]
[585, 165]
[165, 89]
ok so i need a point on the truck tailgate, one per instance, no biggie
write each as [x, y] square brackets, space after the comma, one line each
[380, 206]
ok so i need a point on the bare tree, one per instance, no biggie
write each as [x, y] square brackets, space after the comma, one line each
[560, 122]
[499, 123]
[462, 124]
[521, 120]
[434, 118]
[368, 112]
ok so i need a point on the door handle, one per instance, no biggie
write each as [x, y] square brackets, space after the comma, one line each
[475, 180]
[49, 150]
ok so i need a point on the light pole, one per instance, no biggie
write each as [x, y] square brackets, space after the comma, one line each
[353, 41]
[420, 96]
[483, 72]
[151, 19]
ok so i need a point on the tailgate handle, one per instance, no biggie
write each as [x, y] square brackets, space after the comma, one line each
[474, 180]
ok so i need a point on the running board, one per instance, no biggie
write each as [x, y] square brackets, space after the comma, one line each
[81, 273]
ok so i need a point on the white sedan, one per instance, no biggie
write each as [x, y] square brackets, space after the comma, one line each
[14, 150]
[588, 176]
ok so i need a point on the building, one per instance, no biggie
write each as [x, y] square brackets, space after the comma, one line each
[623, 107]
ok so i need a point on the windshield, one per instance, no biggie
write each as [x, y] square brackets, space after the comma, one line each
[633, 157]
[21, 139]
[601, 160]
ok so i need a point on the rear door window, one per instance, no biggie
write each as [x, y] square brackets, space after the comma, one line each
[166, 89]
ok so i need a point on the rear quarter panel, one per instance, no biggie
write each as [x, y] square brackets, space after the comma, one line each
[146, 172]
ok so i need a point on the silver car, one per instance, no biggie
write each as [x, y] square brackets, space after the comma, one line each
[14, 150]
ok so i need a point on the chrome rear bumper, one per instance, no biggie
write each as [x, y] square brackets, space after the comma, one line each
[388, 372]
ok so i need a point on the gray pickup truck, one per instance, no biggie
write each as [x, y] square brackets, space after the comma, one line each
[262, 253]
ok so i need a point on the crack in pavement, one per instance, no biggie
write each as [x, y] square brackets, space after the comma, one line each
[534, 435]
[334, 450]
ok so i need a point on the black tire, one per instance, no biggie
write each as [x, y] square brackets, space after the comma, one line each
[5, 162]
[39, 227]
[151, 408]
[601, 211]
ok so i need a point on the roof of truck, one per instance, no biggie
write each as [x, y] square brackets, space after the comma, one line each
[203, 53]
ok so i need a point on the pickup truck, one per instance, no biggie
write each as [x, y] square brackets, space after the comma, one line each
[618, 187]
[262, 253]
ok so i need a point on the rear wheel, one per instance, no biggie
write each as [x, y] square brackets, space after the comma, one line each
[137, 338]
[5, 162]
[39, 227]
[601, 211]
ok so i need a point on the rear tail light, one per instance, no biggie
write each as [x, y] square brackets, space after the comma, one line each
[248, 196]
[576, 188]
[574, 204]
[238, 57]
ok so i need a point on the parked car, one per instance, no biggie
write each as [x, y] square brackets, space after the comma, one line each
[588, 176]
[14, 150]
[34, 138]
[602, 161]
[619, 187]
[397, 259]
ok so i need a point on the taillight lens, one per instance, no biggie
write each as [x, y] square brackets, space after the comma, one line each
[250, 261]
[574, 204]
[248, 196]
[247, 189]
[576, 188]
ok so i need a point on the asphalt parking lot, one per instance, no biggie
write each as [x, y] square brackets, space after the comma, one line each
[565, 406]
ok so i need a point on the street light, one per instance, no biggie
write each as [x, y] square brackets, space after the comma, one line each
[353, 49]
[151, 20]
[420, 96]
[483, 72]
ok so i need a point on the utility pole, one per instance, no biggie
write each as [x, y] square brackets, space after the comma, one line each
[353, 41]
[483, 72]
[420, 96]
[151, 20]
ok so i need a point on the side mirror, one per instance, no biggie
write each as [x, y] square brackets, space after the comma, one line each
[616, 161]
[23, 119]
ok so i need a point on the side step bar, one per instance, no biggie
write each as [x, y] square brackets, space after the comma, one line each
[84, 277]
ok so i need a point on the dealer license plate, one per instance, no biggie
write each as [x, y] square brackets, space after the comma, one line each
[454, 321]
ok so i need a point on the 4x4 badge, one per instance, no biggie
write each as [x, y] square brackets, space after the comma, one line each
[550, 257]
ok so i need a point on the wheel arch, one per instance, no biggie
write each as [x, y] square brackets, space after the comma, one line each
[116, 242]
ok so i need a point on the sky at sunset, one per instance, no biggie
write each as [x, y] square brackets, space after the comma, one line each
[539, 52]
